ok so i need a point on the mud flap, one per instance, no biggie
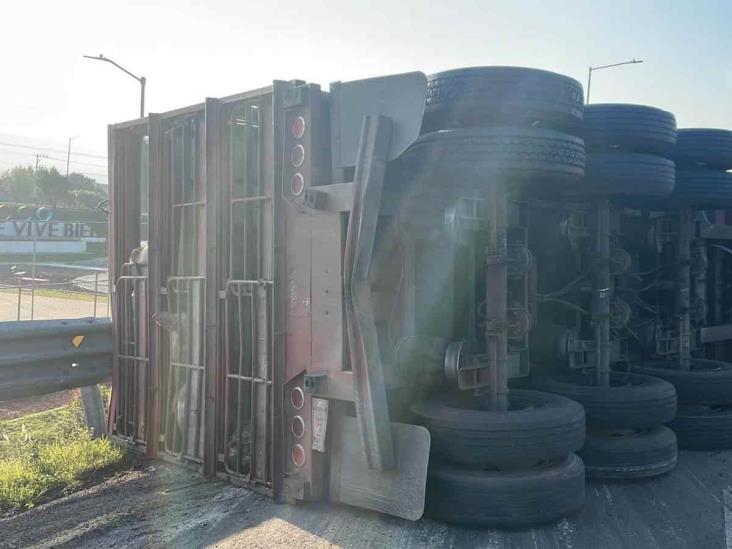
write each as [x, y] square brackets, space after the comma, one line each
[399, 491]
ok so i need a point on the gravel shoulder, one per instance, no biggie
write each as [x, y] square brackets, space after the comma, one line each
[162, 505]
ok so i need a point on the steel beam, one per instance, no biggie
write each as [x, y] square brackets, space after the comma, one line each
[683, 286]
[212, 164]
[496, 288]
[601, 291]
[370, 399]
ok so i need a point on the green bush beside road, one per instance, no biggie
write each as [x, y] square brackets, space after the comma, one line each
[50, 453]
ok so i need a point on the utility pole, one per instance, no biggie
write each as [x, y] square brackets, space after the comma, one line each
[38, 159]
[589, 76]
[140, 79]
[68, 154]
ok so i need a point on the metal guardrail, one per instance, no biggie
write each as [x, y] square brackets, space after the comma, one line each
[43, 356]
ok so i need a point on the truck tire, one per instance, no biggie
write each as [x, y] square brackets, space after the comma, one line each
[631, 128]
[538, 426]
[629, 174]
[706, 147]
[502, 96]
[703, 427]
[475, 157]
[703, 188]
[511, 499]
[632, 401]
[632, 453]
[708, 381]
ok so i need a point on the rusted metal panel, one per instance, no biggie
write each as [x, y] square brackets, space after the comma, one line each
[112, 265]
[136, 124]
[329, 348]
[183, 366]
[245, 283]
[246, 300]
[213, 237]
[131, 354]
[155, 280]
[273, 162]
[245, 443]
[262, 94]
[303, 122]
[183, 112]
[128, 416]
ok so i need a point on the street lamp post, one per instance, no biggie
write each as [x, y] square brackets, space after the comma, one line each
[589, 76]
[68, 154]
[141, 79]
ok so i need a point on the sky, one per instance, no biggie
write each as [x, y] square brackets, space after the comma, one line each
[190, 50]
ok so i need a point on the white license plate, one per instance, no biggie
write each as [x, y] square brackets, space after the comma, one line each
[320, 423]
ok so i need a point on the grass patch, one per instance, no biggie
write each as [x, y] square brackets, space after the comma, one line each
[49, 453]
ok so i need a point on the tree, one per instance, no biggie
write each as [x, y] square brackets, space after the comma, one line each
[18, 185]
[46, 185]
[88, 199]
[53, 187]
[79, 181]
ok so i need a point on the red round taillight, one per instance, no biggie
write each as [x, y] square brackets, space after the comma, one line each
[297, 184]
[297, 398]
[298, 455]
[298, 127]
[297, 155]
[297, 426]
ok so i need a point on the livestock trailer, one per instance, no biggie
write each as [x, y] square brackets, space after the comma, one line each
[340, 295]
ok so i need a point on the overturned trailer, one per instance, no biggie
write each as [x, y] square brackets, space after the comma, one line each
[341, 296]
[291, 287]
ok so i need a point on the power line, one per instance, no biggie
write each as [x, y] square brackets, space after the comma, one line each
[47, 149]
[77, 162]
[59, 159]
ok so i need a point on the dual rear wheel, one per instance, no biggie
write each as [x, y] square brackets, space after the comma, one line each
[626, 435]
[704, 419]
[503, 468]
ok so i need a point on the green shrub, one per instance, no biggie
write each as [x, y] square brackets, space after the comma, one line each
[49, 452]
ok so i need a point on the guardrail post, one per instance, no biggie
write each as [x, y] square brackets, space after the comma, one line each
[20, 295]
[91, 401]
[96, 289]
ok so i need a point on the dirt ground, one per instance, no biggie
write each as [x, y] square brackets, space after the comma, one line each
[11, 409]
[161, 505]
[45, 307]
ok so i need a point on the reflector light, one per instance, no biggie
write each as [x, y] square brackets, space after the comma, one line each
[297, 184]
[298, 127]
[298, 455]
[298, 426]
[297, 155]
[297, 398]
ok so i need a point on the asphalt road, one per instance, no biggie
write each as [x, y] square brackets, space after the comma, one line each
[161, 505]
